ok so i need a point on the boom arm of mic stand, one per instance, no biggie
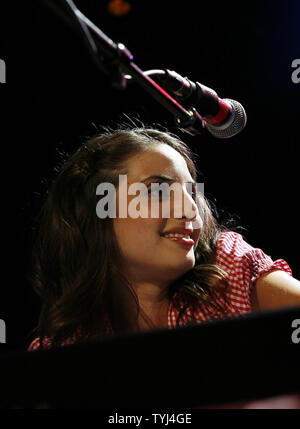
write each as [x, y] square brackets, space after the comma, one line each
[116, 57]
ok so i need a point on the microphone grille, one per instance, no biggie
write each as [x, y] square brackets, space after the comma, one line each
[233, 125]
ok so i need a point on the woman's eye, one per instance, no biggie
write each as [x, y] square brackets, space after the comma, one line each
[157, 193]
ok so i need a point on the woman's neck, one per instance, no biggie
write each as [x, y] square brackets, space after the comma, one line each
[154, 302]
[151, 294]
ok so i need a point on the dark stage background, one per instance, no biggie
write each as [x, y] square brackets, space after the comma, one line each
[55, 96]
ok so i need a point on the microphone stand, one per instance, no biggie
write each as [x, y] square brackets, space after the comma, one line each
[116, 60]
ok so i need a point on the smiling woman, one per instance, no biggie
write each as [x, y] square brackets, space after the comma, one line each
[101, 276]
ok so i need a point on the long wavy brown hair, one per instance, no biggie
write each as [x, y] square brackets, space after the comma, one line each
[75, 265]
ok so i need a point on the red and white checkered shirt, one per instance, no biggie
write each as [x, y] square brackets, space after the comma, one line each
[243, 263]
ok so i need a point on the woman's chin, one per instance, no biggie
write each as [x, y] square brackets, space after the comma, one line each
[180, 266]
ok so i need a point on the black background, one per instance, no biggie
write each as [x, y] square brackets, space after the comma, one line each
[55, 96]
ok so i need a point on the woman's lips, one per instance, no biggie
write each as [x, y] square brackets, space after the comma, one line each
[182, 240]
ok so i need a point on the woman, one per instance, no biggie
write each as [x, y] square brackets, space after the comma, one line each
[98, 276]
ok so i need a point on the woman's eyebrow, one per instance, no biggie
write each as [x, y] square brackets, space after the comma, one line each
[165, 178]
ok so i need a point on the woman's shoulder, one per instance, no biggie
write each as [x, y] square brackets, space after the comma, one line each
[232, 244]
[234, 251]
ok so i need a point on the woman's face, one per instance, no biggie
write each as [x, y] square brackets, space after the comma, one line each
[148, 255]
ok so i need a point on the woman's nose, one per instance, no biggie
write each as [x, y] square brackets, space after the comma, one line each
[190, 209]
[184, 206]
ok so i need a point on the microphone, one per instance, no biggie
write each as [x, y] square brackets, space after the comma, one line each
[223, 118]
